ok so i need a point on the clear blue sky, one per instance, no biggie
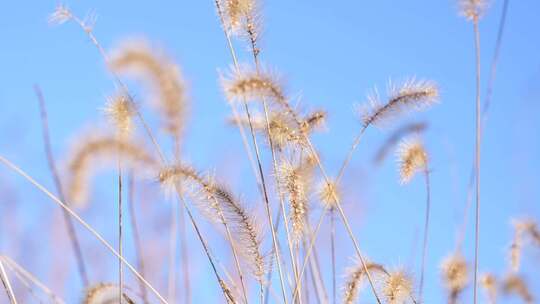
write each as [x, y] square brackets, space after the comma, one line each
[331, 54]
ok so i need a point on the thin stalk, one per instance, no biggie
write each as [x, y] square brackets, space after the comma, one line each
[235, 254]
[342, 215]
[183, 235]
[74, 240]
[426, 230]
[477, 157]
[259, 164]
[7, 285]
[185, 255]
[28, 287]
[120, 248]
[316, 268]
[485, 112]
[277, 222]
[149, 133]
[172, 252]
[312, 269]
[72, 213]
[337, 200]
[203, 242]
[255, 52]
[308, 253]
[348, 158]
[136, 235]
[118, 82]
[24, 274]
[333, 252]
[225, 224]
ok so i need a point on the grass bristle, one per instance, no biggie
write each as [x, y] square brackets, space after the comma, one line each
[104, 293]
[412, 95]
[516, 285]
[218, 205]
[488, 282]
[328, 192]
[472, 9]
[248, 85]
[397, 287]
[412, 158]
[120, 111]
[354, 279]
[93, 152]
[163, 77]
[455, 274]
[294, 183]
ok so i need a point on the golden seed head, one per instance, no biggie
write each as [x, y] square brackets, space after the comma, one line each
[397, 287]
[248, 85]
[514, 284]
[294, 182]
[104, 293]
[313, 121]
[60, 15]
[329, 194]
[412, 95]
[455, 273]
[236, 14]
[163, 76]
[120, 112]
[354, 278]
[412, 157]
[489, 282]
[92, 153]
[472, 9]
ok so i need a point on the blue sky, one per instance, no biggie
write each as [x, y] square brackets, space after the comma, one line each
[330, 56]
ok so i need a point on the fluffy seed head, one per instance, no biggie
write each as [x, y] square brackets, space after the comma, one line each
[525, 231]
[412, 157]
[313, 121]
[285, 131]
[98, 152]
[489, 282]
[104, 293]
[294, 181]
[397, 287]
[514, 284]
[528, 227]
[221, 206]
[236, 13]
[455, 273]
[120, 112]
[392, 140]
[354, 278]
[472, 9]
[60, 15]
[328, 193]
[140, 59]
[249, 85]
[412, 95]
